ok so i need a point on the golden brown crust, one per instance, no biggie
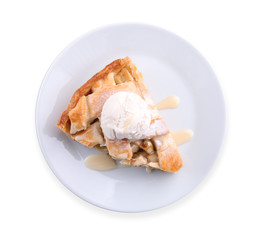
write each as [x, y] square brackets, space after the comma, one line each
[90, 137]
[119, 149]
[78, 116]
[80, 119]
[86, 89]
[169, 157]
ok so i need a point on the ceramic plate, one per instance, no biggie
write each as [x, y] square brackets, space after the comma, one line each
[170, 66]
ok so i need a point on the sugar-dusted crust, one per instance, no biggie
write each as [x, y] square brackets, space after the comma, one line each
[81, 120]
[85, 89]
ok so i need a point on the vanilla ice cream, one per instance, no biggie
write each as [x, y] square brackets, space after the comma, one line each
[127, 115]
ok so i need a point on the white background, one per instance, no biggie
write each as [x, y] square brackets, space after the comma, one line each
[35, 205]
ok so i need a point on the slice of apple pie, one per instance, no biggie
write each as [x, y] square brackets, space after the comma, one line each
[113, 112]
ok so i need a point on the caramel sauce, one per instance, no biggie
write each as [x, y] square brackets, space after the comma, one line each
[182, 136]
[100, 162]
[168, 103]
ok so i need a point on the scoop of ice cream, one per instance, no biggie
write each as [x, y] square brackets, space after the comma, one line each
[126, 115]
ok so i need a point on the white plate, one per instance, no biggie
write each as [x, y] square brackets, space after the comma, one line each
[170, 66]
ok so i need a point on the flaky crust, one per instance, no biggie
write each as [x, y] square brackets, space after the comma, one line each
[85, 89]
[85, 108]
[169, 157]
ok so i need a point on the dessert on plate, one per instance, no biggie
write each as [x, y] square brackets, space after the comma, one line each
[114, 112]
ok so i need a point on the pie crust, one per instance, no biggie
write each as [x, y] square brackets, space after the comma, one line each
[81, 120]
